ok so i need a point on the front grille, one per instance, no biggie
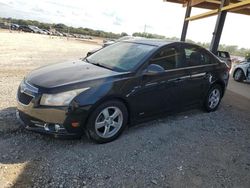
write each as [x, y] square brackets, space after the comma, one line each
[23, 97]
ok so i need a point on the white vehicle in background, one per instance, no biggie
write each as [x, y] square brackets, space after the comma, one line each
[241, 71]
[112, 41]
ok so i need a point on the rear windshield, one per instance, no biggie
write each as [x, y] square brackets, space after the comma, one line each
[121, 56]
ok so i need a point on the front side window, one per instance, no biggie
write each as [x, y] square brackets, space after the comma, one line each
[167, 58]
[196, 56]
[121, 56]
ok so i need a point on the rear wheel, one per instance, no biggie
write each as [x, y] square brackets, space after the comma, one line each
[107, 121]
[239, 75]
[213, 98]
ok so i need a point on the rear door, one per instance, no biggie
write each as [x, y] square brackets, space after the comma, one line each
[200, 65]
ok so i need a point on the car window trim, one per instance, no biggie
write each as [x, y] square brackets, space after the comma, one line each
[180, 46]
[187, 68]
[191, 67]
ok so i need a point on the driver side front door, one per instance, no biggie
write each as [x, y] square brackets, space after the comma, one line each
[161, 92]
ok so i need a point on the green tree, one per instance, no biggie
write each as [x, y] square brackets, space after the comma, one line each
[123, 34]
[148, 35]
[247, 56]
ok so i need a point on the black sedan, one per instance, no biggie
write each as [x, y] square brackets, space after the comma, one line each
[121, 84]
[26, 28]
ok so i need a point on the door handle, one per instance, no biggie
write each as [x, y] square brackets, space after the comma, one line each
[175, 80]
[178, 80]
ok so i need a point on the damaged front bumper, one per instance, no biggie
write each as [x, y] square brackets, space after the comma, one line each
[54, 129]
[59, 121]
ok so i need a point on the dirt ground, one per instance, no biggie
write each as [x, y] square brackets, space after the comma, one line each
[188, 149]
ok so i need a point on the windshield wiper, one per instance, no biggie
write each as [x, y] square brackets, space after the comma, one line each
[101, 65]
[98, 64]
[86, 59]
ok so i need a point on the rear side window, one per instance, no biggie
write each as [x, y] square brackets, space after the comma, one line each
[196, 56]
[168, 58]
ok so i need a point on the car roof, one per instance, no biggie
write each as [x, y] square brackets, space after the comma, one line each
[152, 42]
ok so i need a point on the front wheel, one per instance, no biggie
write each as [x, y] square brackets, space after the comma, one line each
[213, 98]
[239, 75]
[107, 121]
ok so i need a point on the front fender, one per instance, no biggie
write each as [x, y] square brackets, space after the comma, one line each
[243, 67]
[93, 95]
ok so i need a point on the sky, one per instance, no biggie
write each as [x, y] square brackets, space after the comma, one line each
[129, 16]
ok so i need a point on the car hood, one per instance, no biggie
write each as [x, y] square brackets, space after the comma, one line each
[68, 73]
[244, 62]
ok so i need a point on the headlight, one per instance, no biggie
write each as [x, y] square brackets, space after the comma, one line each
[60, 99]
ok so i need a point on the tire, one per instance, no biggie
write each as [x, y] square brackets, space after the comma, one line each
[213, 98]
[239, 75]
[107, 121]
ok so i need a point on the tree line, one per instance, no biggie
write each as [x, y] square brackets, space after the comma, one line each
[232, 49]
[64, 28]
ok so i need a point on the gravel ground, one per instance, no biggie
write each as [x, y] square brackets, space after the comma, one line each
[188, 149]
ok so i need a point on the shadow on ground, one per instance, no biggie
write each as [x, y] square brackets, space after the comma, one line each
[8, 121]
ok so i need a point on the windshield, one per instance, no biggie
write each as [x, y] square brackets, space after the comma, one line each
[121, 56]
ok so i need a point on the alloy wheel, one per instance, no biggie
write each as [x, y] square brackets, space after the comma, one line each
[214, 98]
[108, 122]
[238, 75]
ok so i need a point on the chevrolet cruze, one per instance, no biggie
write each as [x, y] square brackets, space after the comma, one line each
[121, 84]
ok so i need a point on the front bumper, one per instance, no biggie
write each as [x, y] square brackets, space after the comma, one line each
[54, 121]
[52, 129]
[65, 121]
[46, 114]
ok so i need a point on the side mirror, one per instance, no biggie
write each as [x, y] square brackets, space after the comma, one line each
[153, 69]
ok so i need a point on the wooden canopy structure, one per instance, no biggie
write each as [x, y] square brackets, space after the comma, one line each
[216, 7]
[234, 6]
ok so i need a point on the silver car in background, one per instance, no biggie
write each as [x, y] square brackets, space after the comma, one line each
[241, 71]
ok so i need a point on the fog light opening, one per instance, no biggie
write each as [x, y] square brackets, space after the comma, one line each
[46, 127]
[58, 127]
